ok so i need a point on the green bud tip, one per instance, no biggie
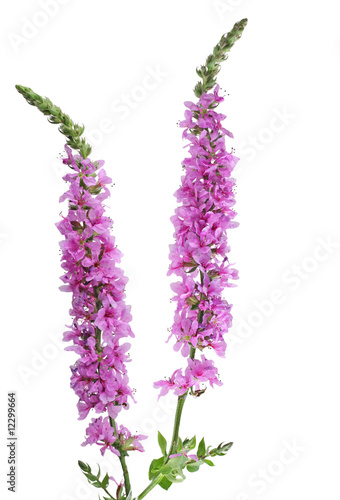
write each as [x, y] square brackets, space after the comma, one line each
[72, 131]
[209, 71]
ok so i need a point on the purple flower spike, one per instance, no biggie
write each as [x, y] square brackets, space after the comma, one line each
[199, 255]
[100, 316]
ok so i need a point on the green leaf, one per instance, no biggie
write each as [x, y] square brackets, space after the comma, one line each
[194, 467]
[166, 469]
[182, 461]
[105, 481]
[201, 448]
[173, 469]
[155, 466]
[162, 443]
[208, 462]
[84, 467]
[179, 445]
[90, 476]
[165, 483]
[221, 450]
[226, 447]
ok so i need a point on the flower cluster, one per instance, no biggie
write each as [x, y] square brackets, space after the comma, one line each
[100, 317]
[196, 372]
[101, 433]
[199, 255]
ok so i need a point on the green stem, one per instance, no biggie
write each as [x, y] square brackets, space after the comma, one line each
[122, 460]
[174, 441]
[113, 424]
[125, 472]
[72, 131]
[98, 339]
[178, 414]
[150, 487]
[209, 71]
[108, 493]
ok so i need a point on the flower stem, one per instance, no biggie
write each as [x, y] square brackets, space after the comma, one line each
[125, 473]
[179, 409]
[108, 493]
[122, 455]
[151, 486]
[174, 441]
[72, 131]
[178, 414]
[113, 424]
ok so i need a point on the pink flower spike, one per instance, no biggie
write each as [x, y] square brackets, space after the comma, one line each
[100, 316]
[198, 256]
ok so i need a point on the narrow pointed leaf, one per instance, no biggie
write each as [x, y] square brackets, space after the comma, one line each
[162, 443]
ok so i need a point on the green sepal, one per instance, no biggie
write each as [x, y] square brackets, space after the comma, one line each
[192, 270]
[221, 450]
[198, 91]
[189, 444]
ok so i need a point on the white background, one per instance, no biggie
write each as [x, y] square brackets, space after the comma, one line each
[281, 373]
